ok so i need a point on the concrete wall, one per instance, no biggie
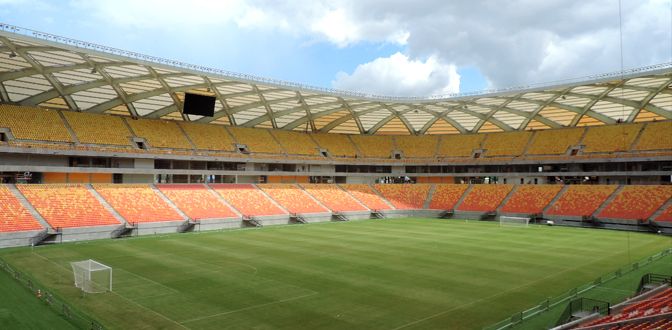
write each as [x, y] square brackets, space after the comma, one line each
[138, 178]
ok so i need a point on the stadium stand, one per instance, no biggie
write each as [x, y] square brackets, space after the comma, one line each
[13, 216]
[506, 144]
[581, 200]
[422, 146]
[292, 198]
[333, 197]
[196, 201]
[659, 303]
[610, 138]
[256, 139]
[637, 202]
[554, 141]
[67, 205]
[459, 145]
[159, 133]
[338, 145]
[374, 146]
[208, 137]
[531, 199]
[365, 194]
[137, 203]
[296, 143]
[405, 196]
[446, 196]
[247, 199]
[656, 136]
[666, 215]
[98, 129]
[27, 123]
[485, 197]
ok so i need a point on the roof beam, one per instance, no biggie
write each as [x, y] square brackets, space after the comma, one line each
[647, 99]
[269, 111]
[349, 116]
[389, 118]
[222, 101]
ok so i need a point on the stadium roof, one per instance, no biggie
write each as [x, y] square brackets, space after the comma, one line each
[41, 69]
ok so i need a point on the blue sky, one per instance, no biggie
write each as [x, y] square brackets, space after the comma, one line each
[389, 47]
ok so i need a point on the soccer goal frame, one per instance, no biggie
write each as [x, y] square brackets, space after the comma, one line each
[505, 221]
[92, 276]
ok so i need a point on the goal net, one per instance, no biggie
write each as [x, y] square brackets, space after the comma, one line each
[513, 221]
[92, 276]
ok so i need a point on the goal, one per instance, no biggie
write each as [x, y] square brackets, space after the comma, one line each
[92, 276]
[513, 221]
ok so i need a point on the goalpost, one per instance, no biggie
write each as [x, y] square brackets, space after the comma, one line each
[92, 276]
[513, 221]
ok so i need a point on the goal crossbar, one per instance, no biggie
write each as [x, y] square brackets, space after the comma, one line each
[92, 276]
[505, 221]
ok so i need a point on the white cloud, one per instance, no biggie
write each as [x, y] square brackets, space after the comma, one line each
[401, 76]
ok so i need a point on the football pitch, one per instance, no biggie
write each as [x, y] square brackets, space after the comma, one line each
[377, 274]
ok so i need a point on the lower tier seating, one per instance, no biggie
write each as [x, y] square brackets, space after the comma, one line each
[637, 202]
[446, 196]
[365, 194]
[333, 197]
[247, 199]
[666, 215]
[196, 201]
[137, 203]
[581, 200]
[531, 199]
[659, 303]
[485, 197]
[67, 206]
[13, 216]
[405, 196]
[293, 198]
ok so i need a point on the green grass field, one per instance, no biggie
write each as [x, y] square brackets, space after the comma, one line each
[377, 274]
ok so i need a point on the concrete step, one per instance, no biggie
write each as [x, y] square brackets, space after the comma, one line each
[106, 205]
[428, 201]
[608, 201]
[466, 192]
[169, 202]
[223, 201]
[22, 199]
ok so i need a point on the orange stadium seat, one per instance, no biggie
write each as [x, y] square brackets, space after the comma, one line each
[67, 205]
[137, 203]
[334, 197]
[365, 194]
[196, 201]
[13, 216]
[446, 196]
[660, 303]
[531, 199]
[485, 197]
[405, 196]
[637, 202]
[293, 198]
[581, 200]
[666, 215]
[247, 199]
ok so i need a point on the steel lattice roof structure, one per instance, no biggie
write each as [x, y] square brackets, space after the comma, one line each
[41, 69]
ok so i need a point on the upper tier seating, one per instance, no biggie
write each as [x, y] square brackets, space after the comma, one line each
[98, 129]
[338, 145]
[256, 139]
[446, 196]
[459, 145]
[67, 205]
[34, 123]
[159, 133]
[637, 202]
[506, 144]
[374, 146]
[293, 198]
[365, 194]
[137, 203]
[554, 141]
[208, 136]
[423, 146]
[531, 199]
[13, 216]
[610, 138]
[405, 196]
[659, 303]
[666, 215]
[247, 199]
[296, 143]
[581, 200]
[196, 201]
[485, 197]
[333, 197]
[656, 136]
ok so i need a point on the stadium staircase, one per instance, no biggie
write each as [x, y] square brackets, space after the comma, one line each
[381, 197]
[125, 230]
[252, 222]
[430, 195]
[297, 218]
[506, 199]
[662, 209]
[608, 201]
[339, 216]
[223, 201]
[109, 207]
[555, 199]
[464, 195]
[375, 214]
[187, 226]
[447, 214]
[24, 202]
[47, 236]
[158, 192]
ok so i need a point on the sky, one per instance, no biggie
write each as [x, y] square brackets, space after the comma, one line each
[384, 47]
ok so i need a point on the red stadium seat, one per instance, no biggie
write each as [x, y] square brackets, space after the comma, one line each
[405, 196]
[531, 199]
[196, 201]
[485, 197]
[637, 202]
[247, 199]
[334, 197]
[365, 194]
[293, 198]
[581, 200]
[446, 196]
[137, 203]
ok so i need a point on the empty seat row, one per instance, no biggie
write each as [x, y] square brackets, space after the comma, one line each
[14, 216]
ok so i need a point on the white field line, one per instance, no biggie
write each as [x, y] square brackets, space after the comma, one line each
[149, 280]
[120, 296]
